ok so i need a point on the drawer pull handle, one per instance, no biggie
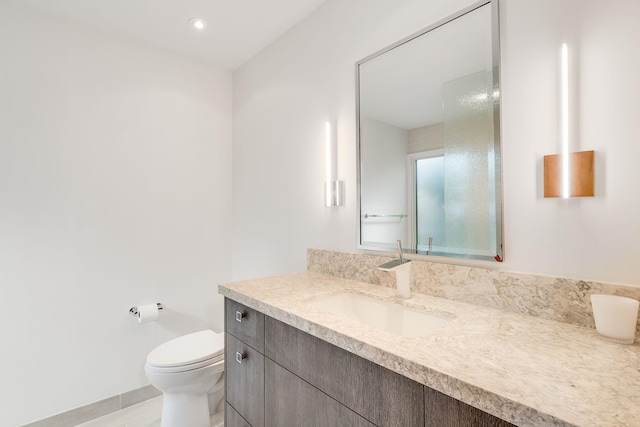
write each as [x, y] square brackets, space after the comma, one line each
[240, 315]
[239, 357]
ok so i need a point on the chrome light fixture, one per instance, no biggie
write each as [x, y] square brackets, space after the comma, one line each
[333, 188]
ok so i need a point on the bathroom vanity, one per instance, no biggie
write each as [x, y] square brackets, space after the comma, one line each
[290, 363]
[287, 377]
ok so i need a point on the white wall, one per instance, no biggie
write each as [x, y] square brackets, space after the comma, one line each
[426, 138]
[590, 238]
[114, 191]
[283, 96]
[384, 183]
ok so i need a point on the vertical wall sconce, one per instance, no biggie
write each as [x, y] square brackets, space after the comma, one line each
[565, 121]
[333, 188]
[568, 174]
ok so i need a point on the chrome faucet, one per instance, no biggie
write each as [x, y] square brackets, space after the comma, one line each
[396, 262]
[402, 268]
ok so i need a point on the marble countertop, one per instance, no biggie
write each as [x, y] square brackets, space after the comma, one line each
[526, 370]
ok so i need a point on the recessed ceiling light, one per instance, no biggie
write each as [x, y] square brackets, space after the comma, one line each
[197, 24]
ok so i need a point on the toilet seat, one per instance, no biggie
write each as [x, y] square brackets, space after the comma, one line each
[175, 369]
[188, 352]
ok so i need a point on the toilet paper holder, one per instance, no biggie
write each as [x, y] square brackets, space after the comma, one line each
[134, 310]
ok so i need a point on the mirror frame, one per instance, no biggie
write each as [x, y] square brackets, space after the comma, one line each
[495, 39]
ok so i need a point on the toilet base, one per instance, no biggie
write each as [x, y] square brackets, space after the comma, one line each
[180, 410]
[186, 388]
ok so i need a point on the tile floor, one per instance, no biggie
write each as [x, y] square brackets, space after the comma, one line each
[145, 414]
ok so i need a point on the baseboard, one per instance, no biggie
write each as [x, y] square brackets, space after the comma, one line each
[138, 395]
[98, 409]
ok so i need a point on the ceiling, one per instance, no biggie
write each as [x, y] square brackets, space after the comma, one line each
[236, 31]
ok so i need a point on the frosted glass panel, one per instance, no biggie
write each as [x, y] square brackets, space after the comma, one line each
[469, 188]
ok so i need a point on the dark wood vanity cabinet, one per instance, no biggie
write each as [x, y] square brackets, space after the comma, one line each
[383, 397]
[244, 365]
[232, 418]
[244, 323]
[280, 376]
[444, 411]
[293, 402]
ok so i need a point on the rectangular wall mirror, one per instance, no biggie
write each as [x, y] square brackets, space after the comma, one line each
[428, 110]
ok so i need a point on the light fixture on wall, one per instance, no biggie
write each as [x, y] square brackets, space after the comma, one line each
[568, 174]
[333, 188]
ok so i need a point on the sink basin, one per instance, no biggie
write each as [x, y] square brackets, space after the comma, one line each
[386, 316]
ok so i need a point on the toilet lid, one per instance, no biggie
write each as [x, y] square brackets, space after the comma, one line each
[188, 349]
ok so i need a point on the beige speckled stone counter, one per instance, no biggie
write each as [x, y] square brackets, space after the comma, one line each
[526, 370]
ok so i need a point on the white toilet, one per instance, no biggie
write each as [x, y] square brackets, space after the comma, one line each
[187, 369]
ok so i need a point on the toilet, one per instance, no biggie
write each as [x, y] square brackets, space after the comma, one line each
[187, 370]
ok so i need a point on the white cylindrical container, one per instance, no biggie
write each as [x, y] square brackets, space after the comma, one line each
[616, 317]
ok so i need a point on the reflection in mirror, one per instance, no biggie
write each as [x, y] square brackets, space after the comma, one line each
[429, 140]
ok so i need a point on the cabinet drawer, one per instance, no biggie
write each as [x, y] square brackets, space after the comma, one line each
[244, 323]
[292, 402]
[244, 367]
[376, 393]
[233, 419]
